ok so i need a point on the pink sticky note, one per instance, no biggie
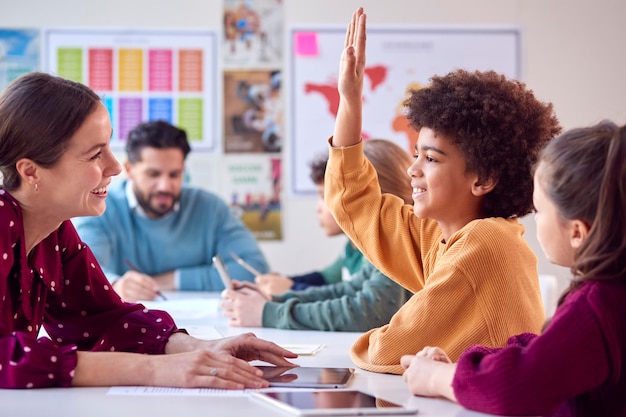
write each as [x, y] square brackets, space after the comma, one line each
[306, 44]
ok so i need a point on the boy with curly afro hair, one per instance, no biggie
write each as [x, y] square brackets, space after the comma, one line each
[460, 248]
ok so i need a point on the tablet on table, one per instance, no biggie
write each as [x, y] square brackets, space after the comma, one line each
[331, 402]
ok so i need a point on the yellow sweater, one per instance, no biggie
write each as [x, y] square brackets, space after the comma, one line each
[480, 287]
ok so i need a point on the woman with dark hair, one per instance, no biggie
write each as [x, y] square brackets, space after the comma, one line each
[56, 163]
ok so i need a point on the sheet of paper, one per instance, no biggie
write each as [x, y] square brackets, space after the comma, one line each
[186, 309]
[174, 391]
[302, 349]
[204, 332]
[187, 392]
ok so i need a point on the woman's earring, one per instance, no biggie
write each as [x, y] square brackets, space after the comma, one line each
[36, 187]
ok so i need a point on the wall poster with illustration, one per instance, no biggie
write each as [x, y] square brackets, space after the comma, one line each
[253, 136]
[144, 75]
[398, 60]
[19, 53]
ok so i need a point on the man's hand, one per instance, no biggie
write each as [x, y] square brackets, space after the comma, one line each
[134, 286]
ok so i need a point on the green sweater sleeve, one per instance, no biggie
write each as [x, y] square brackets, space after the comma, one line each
[367, 301]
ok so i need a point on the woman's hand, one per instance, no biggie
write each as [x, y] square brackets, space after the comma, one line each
[214, 368]
[248, 347]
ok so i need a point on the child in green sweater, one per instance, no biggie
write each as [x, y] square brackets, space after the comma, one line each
[342, 269]
[369, 299]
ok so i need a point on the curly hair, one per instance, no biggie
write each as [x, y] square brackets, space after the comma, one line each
[497, 124]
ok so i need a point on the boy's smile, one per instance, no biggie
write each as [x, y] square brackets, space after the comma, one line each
[442, 188]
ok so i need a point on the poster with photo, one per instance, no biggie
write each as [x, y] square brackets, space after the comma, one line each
[253, 111]
[19, 53]
[144, 75]
[252, 184]
[252, 33]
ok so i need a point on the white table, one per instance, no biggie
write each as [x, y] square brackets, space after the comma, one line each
[95, 402]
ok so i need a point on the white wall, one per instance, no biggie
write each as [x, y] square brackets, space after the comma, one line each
[574, 56]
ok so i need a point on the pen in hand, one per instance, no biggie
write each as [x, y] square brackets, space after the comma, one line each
[134, 268]
[245, 264]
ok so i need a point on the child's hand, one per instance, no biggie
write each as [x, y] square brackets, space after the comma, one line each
[434, 353]
[244, 306]
[429, 373]
[350, 84]
[273, 283]
[352, 64]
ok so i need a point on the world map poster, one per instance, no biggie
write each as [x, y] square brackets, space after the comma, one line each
[398, 60]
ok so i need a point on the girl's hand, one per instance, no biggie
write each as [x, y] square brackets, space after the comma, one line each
[434, 353]
[428, 377]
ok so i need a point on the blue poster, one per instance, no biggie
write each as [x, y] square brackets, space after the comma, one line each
[19, 53]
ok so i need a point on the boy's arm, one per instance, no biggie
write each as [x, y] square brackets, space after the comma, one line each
[350, 84]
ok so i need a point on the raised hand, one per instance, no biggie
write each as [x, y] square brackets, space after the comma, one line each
[350, 83]
[352, 64]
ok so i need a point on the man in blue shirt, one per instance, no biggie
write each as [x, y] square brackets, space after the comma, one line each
[157, 234]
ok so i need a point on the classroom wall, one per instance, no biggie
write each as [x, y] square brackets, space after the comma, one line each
[573, 56]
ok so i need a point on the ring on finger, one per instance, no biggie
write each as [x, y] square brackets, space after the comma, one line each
[213, 372]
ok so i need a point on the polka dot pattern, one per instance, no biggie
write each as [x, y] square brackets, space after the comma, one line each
[61, 279]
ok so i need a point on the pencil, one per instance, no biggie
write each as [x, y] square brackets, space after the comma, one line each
[245, 264]
[134, 268]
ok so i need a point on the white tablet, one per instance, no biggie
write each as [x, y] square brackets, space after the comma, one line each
[224, 275]
[306, 377]
[331, 402]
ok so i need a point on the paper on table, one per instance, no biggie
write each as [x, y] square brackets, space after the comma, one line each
[186, 309]
[302, 349]
[204, 332]
[186, 392]
[174, 391]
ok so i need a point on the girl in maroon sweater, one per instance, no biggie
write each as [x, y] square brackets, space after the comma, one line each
[576, 367]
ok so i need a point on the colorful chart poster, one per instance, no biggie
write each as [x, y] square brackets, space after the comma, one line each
[253, 111]
[253, 33]
[19, 53]
[144, 75]
[253, 184]
[398, 60]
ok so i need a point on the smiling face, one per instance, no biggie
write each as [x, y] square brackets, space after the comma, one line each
[77, 184]
[157, 179]
[442, 189]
